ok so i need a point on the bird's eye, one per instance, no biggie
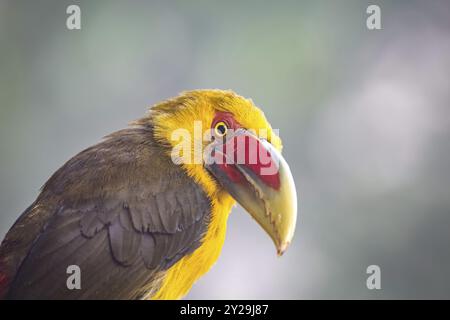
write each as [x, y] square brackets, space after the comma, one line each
[220, 129]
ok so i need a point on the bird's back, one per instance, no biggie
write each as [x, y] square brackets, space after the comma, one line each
[121, 211]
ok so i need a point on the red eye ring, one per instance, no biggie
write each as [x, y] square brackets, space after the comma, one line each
[227, 118]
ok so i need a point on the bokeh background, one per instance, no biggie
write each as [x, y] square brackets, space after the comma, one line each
[364, 115]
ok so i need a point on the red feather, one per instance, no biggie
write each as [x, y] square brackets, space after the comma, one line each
[4, 283]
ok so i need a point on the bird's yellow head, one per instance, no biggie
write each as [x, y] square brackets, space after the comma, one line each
[227, 145]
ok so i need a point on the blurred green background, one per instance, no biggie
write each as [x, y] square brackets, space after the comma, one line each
[364, 116]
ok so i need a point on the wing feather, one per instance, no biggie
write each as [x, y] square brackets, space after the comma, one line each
[121, 211]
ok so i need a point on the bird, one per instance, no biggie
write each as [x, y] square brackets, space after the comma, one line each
[139, 217]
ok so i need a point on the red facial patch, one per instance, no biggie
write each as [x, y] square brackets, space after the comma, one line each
[246, 150]
[227, 118]
[3, 284]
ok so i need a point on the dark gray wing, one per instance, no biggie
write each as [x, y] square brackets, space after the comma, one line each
[122, 212]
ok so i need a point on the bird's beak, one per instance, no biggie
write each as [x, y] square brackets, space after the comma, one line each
[259, 179]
